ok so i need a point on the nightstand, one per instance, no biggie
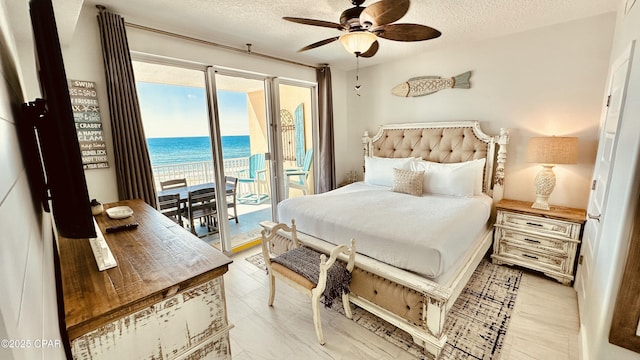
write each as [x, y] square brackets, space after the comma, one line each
[541, 240]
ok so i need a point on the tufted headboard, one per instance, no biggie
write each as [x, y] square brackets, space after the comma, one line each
[444, 142]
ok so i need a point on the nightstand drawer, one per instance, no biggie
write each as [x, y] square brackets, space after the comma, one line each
[527, 257]
[538, 224]
[535, 243]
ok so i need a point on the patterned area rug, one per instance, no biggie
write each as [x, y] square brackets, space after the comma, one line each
[476, 325]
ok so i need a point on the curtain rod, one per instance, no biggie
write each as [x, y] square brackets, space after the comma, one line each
[226, 47]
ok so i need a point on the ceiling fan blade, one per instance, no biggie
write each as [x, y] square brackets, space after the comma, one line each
[319, 43]
[313, 22]
[384, 12]
[407, 32]
[372, 50]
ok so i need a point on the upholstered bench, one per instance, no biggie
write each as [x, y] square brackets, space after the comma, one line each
[308, 271]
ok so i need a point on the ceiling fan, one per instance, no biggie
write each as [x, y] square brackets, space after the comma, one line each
[363, 25]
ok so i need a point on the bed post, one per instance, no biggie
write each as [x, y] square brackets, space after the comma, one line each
[498, 181]
[366, 144]
[366, 148]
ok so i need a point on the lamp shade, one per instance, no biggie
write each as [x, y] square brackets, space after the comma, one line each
[553, 150]
[357, 41]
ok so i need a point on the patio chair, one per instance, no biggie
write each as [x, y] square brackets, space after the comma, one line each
[297, 178]
[173, 183]
[231, 196]
[169, 205]
[202, 204]
[256, 178]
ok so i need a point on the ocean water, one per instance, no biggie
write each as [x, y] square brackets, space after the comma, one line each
[177, 150]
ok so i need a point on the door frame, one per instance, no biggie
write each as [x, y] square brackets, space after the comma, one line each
[278, 158]
[589, 251]
[271, 145]
[624, 330]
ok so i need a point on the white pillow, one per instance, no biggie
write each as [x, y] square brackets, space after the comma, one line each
[379, 171]
[453, 179]
[478, 165]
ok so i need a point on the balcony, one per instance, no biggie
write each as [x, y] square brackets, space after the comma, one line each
[247, 230]
[197, 172]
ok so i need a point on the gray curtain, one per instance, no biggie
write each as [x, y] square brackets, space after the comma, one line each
[133, 167]
[326, 162]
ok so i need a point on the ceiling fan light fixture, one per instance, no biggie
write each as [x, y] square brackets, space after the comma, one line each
[357, 42]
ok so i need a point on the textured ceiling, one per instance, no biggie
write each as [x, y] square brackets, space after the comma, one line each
[238, 22]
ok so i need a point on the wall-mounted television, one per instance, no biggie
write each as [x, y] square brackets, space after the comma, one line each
[48, 134]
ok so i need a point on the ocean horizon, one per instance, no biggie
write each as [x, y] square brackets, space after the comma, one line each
[177, 150]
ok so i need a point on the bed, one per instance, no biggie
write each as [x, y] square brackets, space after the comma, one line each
[395, 278]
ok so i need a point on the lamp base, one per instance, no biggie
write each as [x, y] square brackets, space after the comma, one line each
[542, 203]
[545, 182]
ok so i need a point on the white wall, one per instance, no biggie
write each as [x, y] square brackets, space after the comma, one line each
[83, 61]
[622, 200]
[548, 81]
[28, 306]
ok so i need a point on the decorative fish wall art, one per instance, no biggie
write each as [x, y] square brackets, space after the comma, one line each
[425, 85]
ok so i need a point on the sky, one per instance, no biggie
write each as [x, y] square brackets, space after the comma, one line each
[181, 111]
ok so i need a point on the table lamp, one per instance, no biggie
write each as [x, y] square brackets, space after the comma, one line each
[550, 151]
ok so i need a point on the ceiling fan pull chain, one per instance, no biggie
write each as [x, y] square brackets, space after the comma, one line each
[357, 87]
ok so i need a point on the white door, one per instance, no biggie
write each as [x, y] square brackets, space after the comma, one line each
[602, 172]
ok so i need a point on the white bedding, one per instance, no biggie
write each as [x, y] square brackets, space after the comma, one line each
[426, 235]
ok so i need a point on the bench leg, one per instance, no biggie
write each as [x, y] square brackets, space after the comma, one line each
[272, 288]
[347, 306]
[315, 306]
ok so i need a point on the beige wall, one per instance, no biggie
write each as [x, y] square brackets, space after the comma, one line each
[28, 306]
[290, 98]
[547, 81]
[257, 122]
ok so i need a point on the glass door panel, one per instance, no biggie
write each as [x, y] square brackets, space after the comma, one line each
[175, 116]
[296, 121]
[242, 117]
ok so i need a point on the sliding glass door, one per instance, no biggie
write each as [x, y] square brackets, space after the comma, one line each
[252, 133]
[243, 117]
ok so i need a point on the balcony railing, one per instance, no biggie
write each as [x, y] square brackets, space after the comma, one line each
[197, 172]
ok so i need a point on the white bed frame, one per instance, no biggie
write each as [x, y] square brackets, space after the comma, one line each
[436, 299]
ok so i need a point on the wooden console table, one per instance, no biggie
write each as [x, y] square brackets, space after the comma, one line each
[164, 300]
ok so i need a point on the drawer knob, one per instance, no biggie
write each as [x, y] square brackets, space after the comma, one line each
[530, 256]
[532, 240]
[593, 217]
[534, 224]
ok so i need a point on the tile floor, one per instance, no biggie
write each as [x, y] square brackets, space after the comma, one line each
[247, 228]
[544, 324]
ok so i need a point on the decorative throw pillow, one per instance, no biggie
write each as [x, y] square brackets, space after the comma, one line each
[379, 171]
[407, 182]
